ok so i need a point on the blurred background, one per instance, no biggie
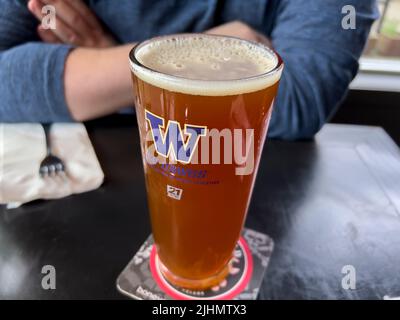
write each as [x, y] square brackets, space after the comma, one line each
[374, 98]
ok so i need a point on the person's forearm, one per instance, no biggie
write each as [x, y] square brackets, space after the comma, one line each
[97, 81]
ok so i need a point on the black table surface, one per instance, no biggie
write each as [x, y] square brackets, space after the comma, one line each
[327, 203]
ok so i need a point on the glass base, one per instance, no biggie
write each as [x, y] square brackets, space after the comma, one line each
[198, 284]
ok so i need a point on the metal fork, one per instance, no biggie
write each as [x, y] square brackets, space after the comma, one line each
[50, 165]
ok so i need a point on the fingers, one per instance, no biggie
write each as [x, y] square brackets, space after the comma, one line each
[76, 24]
[101, 38]
[70, 16]
[47, 35]
[66, 34]
[35, 6]
[63, 32]
[91, 19]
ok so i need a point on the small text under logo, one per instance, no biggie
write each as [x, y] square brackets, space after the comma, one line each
[174, 193]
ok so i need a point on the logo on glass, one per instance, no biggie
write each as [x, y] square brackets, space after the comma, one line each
[171, 142]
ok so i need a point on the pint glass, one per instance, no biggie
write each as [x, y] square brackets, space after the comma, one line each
[203, 104]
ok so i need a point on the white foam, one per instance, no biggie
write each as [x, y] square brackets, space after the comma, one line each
[205, 65]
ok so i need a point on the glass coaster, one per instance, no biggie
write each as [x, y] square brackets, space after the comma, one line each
[142, 279]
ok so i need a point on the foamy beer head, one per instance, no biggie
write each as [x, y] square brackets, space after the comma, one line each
[187, 87]
[206, 65]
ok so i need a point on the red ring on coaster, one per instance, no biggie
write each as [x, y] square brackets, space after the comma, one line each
[228, 295]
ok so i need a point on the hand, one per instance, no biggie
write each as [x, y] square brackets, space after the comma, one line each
[76, 24]
[240, 30]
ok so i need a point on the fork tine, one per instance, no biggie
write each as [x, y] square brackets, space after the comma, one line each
[51, 165]
[44, 170]
[59, 167]
[52, 168]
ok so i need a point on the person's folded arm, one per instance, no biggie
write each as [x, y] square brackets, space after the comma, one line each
[42, 82]
[31, 86]
[30, 89]
[321, 59]
[98, 82]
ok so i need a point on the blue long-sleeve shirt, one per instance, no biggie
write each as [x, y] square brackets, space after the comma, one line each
[320, 56]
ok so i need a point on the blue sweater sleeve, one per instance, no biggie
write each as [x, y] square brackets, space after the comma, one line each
[31, 72]
[321, 59]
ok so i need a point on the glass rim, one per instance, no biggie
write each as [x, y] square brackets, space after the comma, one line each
[134, 61]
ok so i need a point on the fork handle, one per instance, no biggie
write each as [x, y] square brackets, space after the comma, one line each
[47, 128]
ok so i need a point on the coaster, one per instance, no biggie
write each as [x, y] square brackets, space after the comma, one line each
[142, 279]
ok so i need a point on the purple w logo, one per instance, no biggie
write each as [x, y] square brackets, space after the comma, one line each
[172, 139]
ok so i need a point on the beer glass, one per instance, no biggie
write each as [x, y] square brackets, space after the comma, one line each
[203, 104]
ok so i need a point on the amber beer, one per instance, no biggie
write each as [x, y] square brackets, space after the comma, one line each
[184, 86]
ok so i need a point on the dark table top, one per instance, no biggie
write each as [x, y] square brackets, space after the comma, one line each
[326, 203]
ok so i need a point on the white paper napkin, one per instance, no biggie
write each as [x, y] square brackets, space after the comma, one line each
[23, 147]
